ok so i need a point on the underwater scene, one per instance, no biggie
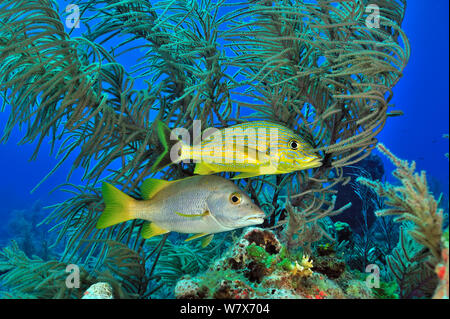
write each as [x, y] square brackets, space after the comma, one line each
[224, 149]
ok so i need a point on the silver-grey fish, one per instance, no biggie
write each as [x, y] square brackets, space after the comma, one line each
[202, 205]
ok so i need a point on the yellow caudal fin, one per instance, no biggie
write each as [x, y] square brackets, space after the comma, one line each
[203, 169]
[117, 207]
[151, 229]
[151, 186]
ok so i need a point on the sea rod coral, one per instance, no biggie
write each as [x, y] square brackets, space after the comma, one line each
[411, 201]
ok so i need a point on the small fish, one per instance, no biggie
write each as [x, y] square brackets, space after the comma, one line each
[252, 149]
[202, 205]
[395, 113]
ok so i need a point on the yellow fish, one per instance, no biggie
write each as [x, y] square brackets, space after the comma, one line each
[252, 149]
[202, 205]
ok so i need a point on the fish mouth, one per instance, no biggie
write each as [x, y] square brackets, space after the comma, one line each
[313, 163]
[255, 219]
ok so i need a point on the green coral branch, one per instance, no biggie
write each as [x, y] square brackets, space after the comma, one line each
[177, 260]
[409, 266]
[411, 201]
[123, 268]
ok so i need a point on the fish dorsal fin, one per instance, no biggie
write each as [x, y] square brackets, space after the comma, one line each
[203, 169]
[151, 186]
[151, 229]
[208, 132]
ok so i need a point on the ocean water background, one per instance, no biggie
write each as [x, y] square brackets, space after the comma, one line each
[422, 94]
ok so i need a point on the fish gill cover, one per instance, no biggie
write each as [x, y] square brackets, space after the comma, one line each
[319, 68]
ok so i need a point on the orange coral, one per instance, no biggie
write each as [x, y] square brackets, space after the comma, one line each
[442, 272]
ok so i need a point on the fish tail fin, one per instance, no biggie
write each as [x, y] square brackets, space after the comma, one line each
[165, 159]
[118, 207]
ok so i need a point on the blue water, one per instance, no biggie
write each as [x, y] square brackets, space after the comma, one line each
[422, 94]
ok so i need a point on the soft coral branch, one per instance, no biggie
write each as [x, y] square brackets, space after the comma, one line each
[411, 201]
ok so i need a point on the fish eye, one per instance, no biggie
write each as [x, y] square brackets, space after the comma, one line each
[293, 144]
[235, 198]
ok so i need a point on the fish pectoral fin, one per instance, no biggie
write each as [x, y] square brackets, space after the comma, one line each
[203, 169]
[247, 175]
[205, 241]
[150, 229]
[151, 186]
[205, 213]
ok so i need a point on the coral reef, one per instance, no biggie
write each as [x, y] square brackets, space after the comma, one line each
[411, 201]
[326, 262]
[419, 250]
[413, 273]
[343, 232]
[315, 67]
[303, 226]
[179, 258]
[442, 270]
[371, 167]
[123, 270]
[387, 290]
[32, 238]
[27, 278]
[259, 266]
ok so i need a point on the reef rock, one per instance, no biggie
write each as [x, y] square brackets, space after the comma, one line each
[100, 290]
[259, 266]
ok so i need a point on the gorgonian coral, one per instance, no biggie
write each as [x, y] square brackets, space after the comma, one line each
[411, 202]
[414, 259]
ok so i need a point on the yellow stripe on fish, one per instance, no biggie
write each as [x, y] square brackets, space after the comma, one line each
[252, 148]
